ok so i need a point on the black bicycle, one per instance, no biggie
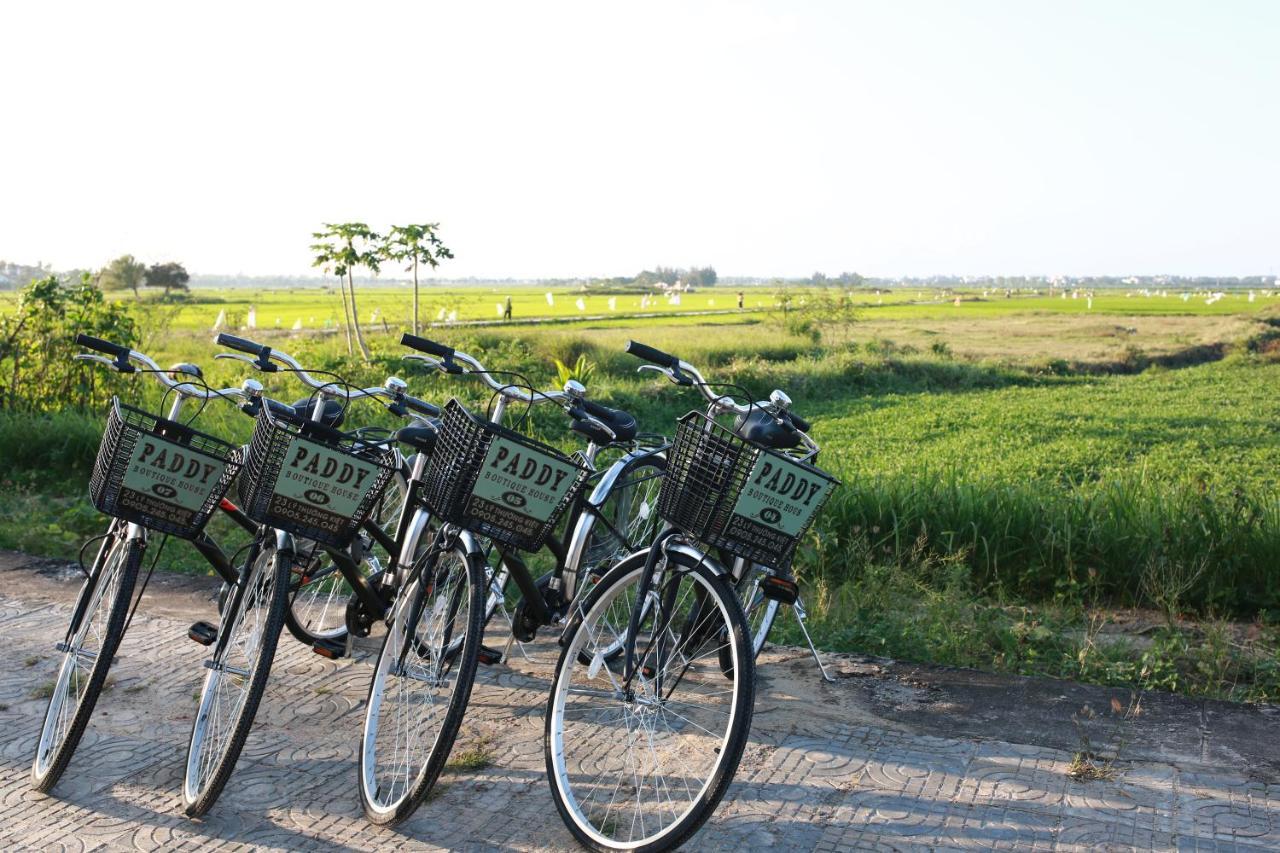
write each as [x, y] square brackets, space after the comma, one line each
[491, 493]
[641, 746]
[312, 492]
[155, 476]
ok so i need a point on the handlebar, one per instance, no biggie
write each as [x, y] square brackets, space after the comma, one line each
[121, 363]
[266, 355]
[572, 399]
[683, 373]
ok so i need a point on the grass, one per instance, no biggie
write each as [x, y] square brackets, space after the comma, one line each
[1017, 471]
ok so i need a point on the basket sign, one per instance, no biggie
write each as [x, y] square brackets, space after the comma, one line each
[777, 502]
[168, 481]
[319, 487]
[519, 488]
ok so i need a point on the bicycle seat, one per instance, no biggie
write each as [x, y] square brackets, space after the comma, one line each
[420, 436]
[760, 427]
[331, 417]
[622, 423]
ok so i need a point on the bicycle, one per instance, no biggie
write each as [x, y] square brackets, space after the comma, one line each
[153, 475]
[424, 673]
[632, 765]
[309, 488]
[762, 589]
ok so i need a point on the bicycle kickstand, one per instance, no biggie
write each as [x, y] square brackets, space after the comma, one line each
[798, 608]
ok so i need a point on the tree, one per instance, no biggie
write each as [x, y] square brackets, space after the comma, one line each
[124, 273]
[170, 276]
[417, 244]
[339, 249]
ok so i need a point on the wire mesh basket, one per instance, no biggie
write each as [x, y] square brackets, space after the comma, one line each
[158, 473]
[749, 500]
[311, 480]
[497, 483]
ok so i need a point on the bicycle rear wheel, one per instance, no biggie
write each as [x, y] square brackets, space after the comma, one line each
[318, 601]
[236, 679]
[641, 766]
[421, 683]
[97, 625]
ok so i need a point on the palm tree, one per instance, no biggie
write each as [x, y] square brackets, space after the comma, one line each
[339, 249]
[417, 244]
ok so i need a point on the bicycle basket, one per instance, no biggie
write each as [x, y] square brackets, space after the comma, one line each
[158, 473]
[749, 500]
[497, 483]
[311, 480]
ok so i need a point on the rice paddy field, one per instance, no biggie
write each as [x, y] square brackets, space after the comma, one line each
[1085, 485]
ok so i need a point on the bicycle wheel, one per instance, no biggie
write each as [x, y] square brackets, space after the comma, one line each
[318, 607]
[642, 766]
[236, 679]
[626, 522]
[421, 683]
[97, 625]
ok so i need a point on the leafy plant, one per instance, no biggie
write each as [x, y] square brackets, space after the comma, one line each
[416, 244]
[339, 249]
[581, 370]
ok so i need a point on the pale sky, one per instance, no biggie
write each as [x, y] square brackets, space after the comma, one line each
[566, 139]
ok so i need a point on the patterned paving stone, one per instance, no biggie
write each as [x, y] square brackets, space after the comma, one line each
[819, 773]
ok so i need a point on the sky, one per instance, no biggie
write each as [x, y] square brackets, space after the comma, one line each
[598, 139]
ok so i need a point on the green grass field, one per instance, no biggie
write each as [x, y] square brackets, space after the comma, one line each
[1012, 466]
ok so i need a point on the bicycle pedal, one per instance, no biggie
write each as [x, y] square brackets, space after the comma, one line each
[331, 649]
[203, 633]
[489, 656]
[784, 590]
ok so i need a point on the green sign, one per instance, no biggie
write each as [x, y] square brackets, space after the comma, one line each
[320, 487]
[519, 488]
[781, 495]
[167, 480]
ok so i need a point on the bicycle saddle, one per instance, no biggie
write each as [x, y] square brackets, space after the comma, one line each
[760, 427]
[622, 423]
[331, 415]
[420, 436]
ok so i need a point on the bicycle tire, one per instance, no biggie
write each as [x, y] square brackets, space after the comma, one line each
[121, 561]
[199, 798]
[411, 606]
[727, 750]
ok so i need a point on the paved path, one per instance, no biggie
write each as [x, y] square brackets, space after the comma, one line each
[891, 757]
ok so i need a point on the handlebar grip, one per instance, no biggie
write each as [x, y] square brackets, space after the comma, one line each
[799, 422]
[242, 344]
[120, 352]
[422, 407]
[654, 356]
[424, 345]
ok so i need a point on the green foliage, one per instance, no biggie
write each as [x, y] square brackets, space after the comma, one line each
[415, 244]
[581, 371]
[124, 273]
[37, 342]
[170, 276]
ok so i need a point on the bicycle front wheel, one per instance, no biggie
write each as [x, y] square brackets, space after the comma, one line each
[642, 765]
[421, 683]
[97, 625]
[759, 610]
[236, 679]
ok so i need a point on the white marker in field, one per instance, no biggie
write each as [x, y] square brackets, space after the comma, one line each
[675, 300]
[440, 315]
[252, 321]
[582, 306]
[551, 299]
[453, 316]
[499, 307]
[613, 303]
[221, 321]
[297, 325]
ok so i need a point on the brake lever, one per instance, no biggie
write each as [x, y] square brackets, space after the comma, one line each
[101, 359]
[252, 362]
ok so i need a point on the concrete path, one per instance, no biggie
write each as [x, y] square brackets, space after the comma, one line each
[892, 757]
